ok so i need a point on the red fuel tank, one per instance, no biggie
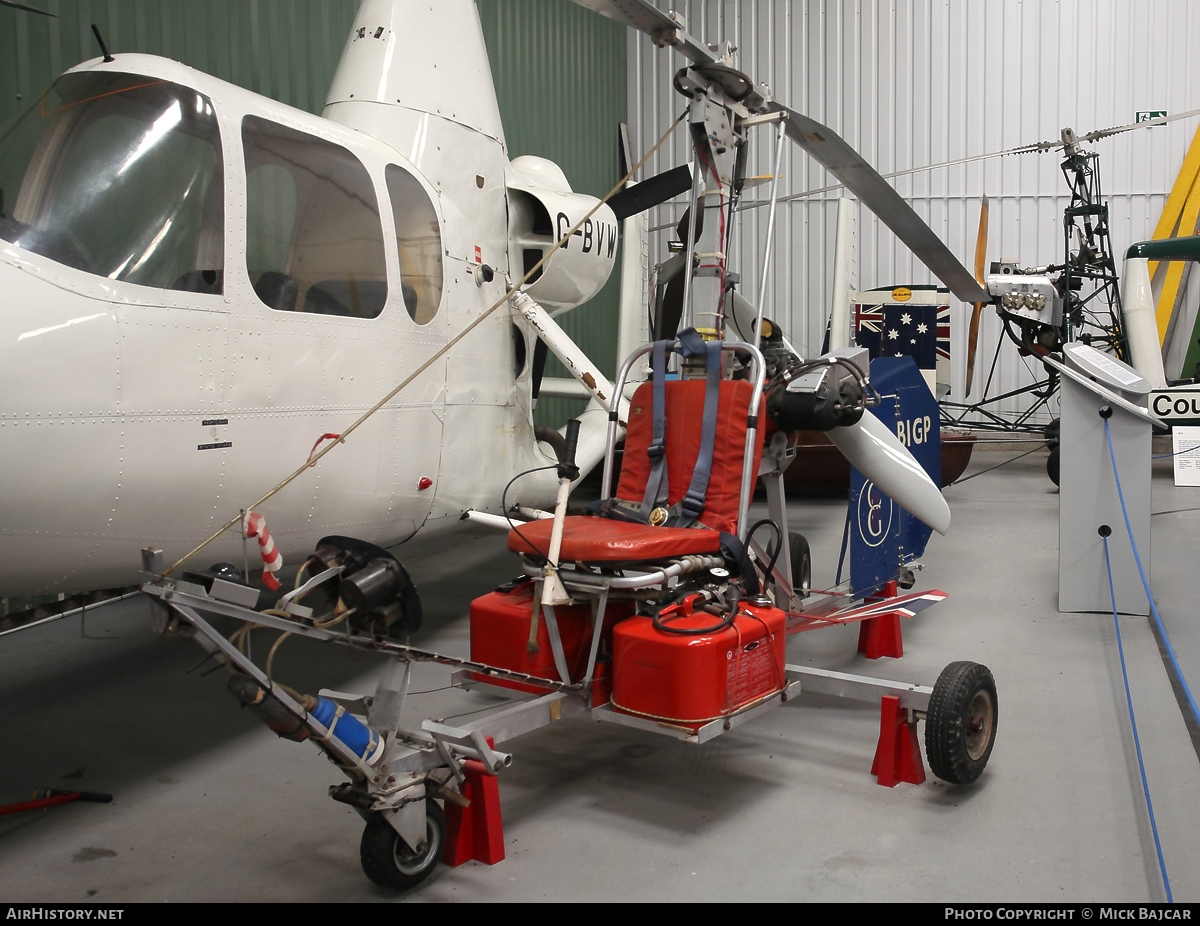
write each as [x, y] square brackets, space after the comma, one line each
[690, 679]
[500, 635]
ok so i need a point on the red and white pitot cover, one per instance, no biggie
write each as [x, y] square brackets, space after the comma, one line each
[255, 525]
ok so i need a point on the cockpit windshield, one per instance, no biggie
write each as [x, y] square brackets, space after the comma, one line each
[118, 175]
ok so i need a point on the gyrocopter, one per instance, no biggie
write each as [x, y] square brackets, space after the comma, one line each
[229, 278]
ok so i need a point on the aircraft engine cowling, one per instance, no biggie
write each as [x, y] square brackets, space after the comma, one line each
[541, 209]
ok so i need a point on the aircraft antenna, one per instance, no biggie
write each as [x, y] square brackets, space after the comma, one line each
[100, 41]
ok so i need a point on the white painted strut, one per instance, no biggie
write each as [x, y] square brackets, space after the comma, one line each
[567, 351]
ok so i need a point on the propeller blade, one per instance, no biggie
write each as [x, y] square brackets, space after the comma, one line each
[877, 453]
[980, 254]
[981, 241]
[864, 181]
[624, 150]
[658, 189]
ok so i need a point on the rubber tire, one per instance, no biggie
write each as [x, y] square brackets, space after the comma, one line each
[386, 859]
[963, 698]
[801, 563]
[1052, 465]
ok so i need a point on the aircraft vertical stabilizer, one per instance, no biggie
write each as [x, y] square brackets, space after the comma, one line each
[446, 73]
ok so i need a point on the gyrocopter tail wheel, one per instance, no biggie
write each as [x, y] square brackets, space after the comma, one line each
[801, 564]
[960, 725]
[390, 862]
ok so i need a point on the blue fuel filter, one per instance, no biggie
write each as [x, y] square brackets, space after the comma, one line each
[358, 738]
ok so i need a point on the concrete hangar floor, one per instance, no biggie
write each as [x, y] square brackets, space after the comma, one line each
[210, 805]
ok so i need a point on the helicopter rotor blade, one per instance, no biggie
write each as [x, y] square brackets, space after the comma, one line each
[860, 178]
[980, 255]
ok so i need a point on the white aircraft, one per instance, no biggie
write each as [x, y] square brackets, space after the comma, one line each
[199, 283]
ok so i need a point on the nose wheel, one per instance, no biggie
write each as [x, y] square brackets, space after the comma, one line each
[390, 862]
[960, 725]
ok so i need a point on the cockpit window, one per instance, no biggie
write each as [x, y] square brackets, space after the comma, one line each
[313, 238]
[118, 175]
[419, 243]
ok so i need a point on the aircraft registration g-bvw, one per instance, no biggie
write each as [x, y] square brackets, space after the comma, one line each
[199, 282]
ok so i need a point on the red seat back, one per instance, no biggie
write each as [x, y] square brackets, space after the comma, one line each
[685, 412]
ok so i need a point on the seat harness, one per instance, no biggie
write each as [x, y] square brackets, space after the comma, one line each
[688, 509]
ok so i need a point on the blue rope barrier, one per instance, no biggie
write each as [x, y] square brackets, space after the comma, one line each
[1146, 585]
[1163, 456]
[1137, 743]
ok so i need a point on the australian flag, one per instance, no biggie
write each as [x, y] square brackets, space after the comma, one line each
[903, 330]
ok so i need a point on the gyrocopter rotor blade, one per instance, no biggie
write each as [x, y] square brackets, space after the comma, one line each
[980, 254]
[663, 28]
[861, 179]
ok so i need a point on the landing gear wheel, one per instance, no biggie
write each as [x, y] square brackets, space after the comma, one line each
[1052, 433]
[1052, 465]
[801, 564]
[389, 862]
[960, 725]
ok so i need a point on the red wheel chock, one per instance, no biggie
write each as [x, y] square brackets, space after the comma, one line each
[880, 636]
[898, 755]
[475, 831]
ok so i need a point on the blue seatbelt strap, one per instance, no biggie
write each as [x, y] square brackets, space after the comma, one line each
[692, 503]
[657, 483]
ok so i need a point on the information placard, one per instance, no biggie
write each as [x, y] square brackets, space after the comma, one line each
[1185, 442]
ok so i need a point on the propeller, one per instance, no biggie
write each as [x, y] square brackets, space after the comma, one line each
[639, 196]
[980, 252]
[877, 453]
[658, 189]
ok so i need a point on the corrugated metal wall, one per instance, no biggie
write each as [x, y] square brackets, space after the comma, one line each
[916, 82]
[560, 81]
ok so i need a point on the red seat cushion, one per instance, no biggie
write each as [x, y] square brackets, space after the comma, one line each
[600, 540]
[685, 413]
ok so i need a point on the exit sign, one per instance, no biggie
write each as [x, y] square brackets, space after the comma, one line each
[1150, 114]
